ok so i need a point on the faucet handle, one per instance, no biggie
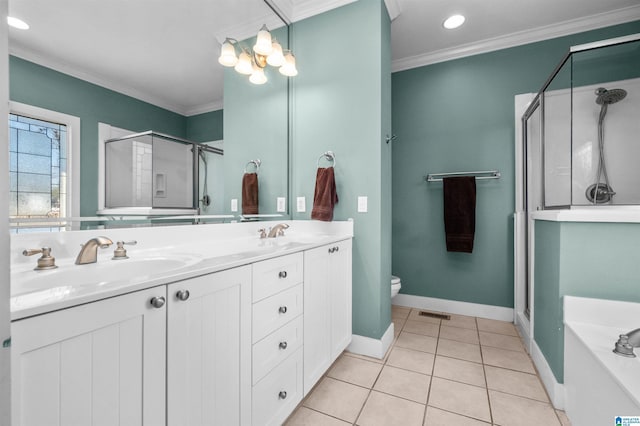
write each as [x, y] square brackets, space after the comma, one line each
[120, 252]
[46, 261]
[262, 232]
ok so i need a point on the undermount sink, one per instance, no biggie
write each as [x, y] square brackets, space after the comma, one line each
[101, 273]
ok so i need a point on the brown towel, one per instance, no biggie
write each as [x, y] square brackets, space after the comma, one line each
[459, 212]
[325, 196]
[250, 193]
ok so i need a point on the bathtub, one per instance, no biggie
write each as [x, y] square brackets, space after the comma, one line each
[599, 385]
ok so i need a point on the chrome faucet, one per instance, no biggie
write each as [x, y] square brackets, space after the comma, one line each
[89, 251]
[278, 230]
[626, 343]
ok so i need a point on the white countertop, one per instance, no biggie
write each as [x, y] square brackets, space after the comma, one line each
[161, 256]
[621, 214]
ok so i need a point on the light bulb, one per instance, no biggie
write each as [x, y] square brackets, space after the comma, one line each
[257, 76]
[263, 42]
[289, 66]
[228, 56]
[244, 65]
[276, 58]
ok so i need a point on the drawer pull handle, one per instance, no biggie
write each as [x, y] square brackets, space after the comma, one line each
[282, 395]
[283, 274]
[157, 302]
[282, 309]
[183, 295]
[283, 345]
[332, 249]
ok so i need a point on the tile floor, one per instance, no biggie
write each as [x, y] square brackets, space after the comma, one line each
[463, 371]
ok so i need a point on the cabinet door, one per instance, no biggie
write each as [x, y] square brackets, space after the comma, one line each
[209, 350]
[340, 297]
[102, 363]
[317, 316]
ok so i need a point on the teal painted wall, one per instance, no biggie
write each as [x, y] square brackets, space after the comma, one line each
[457, 116]
[341, 103]
[43, 87]
[256, 127]
[205, 127]
[599, 260]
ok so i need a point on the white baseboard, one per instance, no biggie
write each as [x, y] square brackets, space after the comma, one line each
[455, 307]
[375, 348]
[554, 389]
[524, 325]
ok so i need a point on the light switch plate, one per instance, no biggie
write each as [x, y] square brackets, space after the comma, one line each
[301, 204]
[234, 204]
[280, 204]
[362, 204]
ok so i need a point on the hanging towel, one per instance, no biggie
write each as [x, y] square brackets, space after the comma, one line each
[250, 193]
[459, 212]
[325, 196]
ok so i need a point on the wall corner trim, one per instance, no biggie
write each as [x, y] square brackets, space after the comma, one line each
[499, 313]
[554, 389]
[375, 348]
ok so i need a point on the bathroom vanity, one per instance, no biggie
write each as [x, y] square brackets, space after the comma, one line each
[237, 336]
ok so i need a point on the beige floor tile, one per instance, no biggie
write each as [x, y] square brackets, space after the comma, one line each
[459, 334]
[414, 315]
[514, 382]
[511, 410]
[564, 420]
[409, 359]
[356, 371]
[366, 358]
[306, 417]
[398, 325]
[512, 360]
[460, 350]
[387, 410]
[501, 341]
[438, 417]
[494, 326]
[460, 398]
[400, 312]
[337, 399]
[459, 370]
[461, 321]
[422, 327]
[404, 384]
[417, 342]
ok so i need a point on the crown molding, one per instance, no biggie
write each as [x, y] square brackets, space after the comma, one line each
[303, 9]
[284, 7]
[201, 109]
[519, 38]
[393, 7]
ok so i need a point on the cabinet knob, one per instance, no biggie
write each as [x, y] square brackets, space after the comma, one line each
[282, 395]
[157, 302]
[283, 274]
[283, 345]
[183, 295]
[282, 309]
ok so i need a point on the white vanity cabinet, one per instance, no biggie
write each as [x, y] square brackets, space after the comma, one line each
[102, 363]
[277, 338]
[327, 307]
[209, 349]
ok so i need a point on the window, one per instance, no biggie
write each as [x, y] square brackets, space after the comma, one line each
[41, 168]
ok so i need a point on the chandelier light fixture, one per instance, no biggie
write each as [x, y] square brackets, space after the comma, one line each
[252, 62]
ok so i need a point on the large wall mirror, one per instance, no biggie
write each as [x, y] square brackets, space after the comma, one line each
[141, 66]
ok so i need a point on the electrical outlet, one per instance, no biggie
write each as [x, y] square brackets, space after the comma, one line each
[362, 204]
[234, 204]
[301, 204]
[280, 204]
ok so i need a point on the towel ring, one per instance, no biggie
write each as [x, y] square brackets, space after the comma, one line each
[256, 163]
[329, 156]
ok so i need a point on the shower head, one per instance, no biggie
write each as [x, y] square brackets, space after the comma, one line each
[608, 97]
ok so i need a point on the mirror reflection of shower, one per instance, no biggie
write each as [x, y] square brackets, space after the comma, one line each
[206, 199]
[601, 192]
[211, 178]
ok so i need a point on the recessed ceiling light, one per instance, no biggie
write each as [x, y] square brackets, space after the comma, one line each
[17, 23]
[453, 22]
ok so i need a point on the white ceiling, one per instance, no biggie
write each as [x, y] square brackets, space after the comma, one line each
[165, 51]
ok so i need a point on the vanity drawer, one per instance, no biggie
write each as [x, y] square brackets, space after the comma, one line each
[274, 275]
[277, 395]
[272, 313]
[276, 347]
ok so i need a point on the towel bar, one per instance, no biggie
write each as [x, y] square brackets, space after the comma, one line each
[485, 174]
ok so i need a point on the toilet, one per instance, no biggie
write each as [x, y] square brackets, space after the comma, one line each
[395, 285]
